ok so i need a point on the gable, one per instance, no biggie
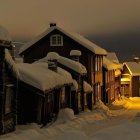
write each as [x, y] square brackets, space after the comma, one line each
[133, 67]
[42, 47]
[126, 70]
[76, 37]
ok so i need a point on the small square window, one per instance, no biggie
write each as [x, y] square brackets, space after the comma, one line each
[56, 40]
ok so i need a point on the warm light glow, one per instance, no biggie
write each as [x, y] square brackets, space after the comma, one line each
[129, 103]
[125, 79]
[117, 73]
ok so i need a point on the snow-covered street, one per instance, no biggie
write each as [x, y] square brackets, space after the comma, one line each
[122, 121]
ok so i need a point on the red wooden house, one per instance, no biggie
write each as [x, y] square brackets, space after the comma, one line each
[130, 80]
[111, 80]
[55, 39]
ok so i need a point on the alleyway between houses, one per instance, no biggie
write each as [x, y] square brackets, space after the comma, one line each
[120, 122]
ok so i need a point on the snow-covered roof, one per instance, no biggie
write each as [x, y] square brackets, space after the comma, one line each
[109, 65]
[39, 76]
[76, 66]
[133, 67]
[113, 57]
[87, 87]
[4, 35]
[78, 38]
[75, 85]
[60, 71]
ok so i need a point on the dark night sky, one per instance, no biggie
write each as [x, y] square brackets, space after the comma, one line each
[112, 24]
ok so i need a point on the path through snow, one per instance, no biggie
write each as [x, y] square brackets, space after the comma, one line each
[123, 122]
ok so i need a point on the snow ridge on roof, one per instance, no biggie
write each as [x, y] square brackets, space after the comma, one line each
[133, 67]
[109, 65]
[76, 66]
[78, 38]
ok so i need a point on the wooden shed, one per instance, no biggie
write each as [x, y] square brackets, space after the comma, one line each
[42, 92]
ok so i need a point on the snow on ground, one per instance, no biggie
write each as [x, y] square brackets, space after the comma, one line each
[99, 124]
[129, 103]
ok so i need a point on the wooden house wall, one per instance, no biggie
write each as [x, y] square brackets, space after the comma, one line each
[108, 95]
[74, 94]
[125, 70]
[135, 86]
[117, 86]
[36, 106]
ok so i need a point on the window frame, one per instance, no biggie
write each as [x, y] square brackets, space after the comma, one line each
[58, 40]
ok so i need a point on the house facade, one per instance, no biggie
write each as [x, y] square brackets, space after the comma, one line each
[41, 93]
[130, 80]
[56, 39]
[111, 80]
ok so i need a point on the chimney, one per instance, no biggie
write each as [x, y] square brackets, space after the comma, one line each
[136, 59]
[52, 24]
[52, 58]
[75, 55]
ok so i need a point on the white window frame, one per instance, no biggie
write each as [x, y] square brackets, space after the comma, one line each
[56, 36]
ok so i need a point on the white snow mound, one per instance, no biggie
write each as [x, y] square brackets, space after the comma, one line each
[102, 108]
[52, 56]
[75, 52]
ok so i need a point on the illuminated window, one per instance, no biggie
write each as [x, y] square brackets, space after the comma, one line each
[56, 40]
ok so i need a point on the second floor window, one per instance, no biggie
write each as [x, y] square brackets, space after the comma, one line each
[56, 40]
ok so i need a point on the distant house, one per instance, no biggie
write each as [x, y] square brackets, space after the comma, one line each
[41, 92]
[55, 39]
[111, 80]
[7, 85]
[130, 81]
[80, 96]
